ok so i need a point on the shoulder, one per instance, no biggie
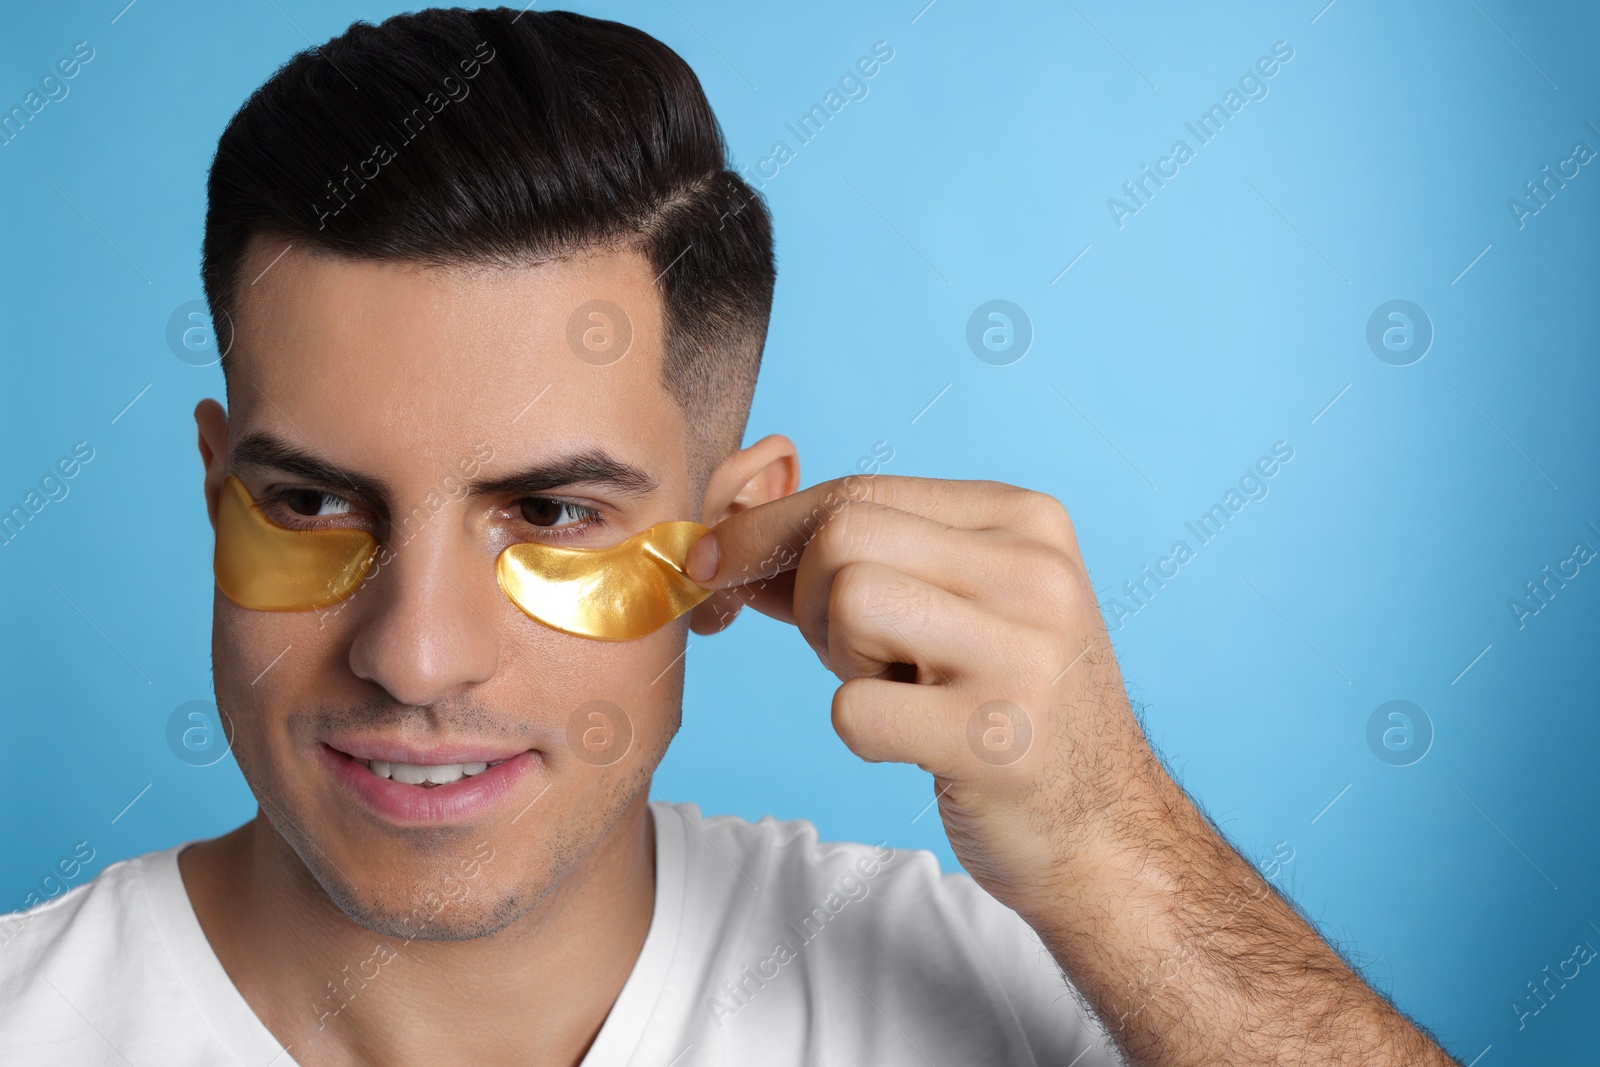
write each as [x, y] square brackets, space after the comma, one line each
[787, 850]
[848, 935]
[789, 867]
[87, 968]
[73, 929]
[784, 864]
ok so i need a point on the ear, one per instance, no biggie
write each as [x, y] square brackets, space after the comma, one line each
[766, 471]
[212, 422]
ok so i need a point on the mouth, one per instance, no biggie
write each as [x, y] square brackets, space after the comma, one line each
[409, 785]
[426, 775]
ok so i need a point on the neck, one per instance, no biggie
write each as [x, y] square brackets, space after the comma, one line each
[537, 990]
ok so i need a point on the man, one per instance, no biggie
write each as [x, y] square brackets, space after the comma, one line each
[490, 294]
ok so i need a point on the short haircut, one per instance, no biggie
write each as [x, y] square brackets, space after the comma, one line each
[540, 135]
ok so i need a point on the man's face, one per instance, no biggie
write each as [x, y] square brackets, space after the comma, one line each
[446, 413]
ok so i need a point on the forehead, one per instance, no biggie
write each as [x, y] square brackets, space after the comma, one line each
[402, 369]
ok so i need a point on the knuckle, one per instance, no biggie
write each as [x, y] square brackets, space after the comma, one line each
[868, 592]
[848, 711]
[1045, 515]
[847, 532]
[872, 721]
[864, 489]
[849, 595]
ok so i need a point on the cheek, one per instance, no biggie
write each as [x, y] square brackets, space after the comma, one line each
[617, 702]
[266, 664]
[238, 638]
[259, 653]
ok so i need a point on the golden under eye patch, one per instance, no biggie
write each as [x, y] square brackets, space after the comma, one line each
[267, 567]
[610, 594]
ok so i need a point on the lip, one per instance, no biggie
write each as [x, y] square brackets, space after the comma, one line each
[431, 756]
[459, 800]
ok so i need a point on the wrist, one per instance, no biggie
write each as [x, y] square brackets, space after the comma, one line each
[1111, 840]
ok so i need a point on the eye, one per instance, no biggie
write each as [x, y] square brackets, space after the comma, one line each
[549, 513]
[314, 503]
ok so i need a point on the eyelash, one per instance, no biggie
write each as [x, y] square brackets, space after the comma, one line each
[277, 508]
[588, 518]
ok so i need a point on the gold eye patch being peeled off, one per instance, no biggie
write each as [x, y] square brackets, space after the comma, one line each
[610, 594]
[266, 567]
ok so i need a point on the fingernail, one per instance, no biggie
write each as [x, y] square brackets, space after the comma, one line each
[702, 559]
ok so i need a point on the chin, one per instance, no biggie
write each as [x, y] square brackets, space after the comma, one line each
[456, 890]
[433, 916]
[449, 884]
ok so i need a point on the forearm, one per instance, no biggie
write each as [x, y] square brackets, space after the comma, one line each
[1189, 956]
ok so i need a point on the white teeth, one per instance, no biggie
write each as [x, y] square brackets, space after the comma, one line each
[408, 773]
[419, 774]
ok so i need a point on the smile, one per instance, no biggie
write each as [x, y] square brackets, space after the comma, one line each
[411, 785]
[427, 775]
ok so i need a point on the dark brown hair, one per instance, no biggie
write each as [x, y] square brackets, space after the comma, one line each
[538, 134]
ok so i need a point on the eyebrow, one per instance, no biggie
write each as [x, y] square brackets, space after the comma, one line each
[594, 466]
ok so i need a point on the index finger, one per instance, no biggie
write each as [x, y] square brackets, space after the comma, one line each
[767, 539]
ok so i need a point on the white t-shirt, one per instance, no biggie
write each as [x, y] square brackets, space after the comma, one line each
[766, 947]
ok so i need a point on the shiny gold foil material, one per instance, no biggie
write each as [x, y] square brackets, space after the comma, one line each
[610, 594]
[266, 567]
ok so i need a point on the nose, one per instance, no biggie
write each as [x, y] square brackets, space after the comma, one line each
[425, 633]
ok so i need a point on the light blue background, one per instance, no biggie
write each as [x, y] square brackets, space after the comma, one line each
[1223, 317]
